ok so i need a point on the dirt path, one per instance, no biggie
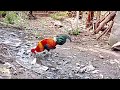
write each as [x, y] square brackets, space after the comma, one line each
[84, 58]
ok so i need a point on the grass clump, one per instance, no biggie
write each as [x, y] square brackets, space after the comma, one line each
[75, 32]
[59, 15]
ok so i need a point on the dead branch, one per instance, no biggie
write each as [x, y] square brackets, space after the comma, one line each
[100, 20]
[106, 30]
[110, 26]
[105, 21]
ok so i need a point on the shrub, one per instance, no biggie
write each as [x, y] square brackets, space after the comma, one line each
[10, 17]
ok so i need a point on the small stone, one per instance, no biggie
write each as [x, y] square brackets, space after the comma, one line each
[49, 65]
[53, 69]
[112, 61]
[77, 68]
[95, 71]
[48, 77]
[90, 68]
[86, 34]
[116, 61]
[82, 65]
[83, 70]
[101, 57]
[87, 68]
[33, 62]
[75, 54]
[70, 75]
[15, 73]
[44, 68]
[77, 64]
[58, 63]
[27, 44]
[101, 76]
[66, 62]
[58, 68]
[82, 50]
[96, 45]
[86, 77]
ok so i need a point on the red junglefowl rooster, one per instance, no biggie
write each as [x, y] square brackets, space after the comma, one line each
[50, 43]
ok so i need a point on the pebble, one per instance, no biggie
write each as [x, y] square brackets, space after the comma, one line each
[78, 75]
[44, 68]
[77, 64]
[101, 76]
[95, 71]
[66, 62]
[87, 68]
[101, 57]
[58, 68]
[27, 44]
[70, 75]
[53, 69]
[58, 63]
[33, 62]
[114, 61]
[26, 53]
[96, 45]
[75, 54]
[52, 61]
[82, 66]
[77, 68]
[86, 77]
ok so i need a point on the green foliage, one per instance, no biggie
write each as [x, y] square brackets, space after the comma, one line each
[17, 18]
[75, 32]
[2, 13]
[11, 17]
[59, 15]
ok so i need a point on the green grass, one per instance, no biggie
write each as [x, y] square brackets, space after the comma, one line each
[2, 12]
[11, 17]
[75, 32]
[59, 15]
[17, 20]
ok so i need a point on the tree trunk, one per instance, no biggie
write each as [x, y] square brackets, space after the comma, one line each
[77, 19]
[90, 17]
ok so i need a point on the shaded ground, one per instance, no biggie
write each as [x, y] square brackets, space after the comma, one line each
[82, 59]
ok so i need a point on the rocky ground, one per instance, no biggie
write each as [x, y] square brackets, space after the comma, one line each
[84, 58]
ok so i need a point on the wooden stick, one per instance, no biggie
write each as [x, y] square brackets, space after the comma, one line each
[106, 30]
[100, 20]
[110, 26]
[105, 21]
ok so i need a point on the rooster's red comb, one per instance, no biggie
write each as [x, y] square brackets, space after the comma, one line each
[33, 50]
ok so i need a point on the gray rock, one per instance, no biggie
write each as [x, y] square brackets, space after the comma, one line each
[87, 68]
[95, 71]
[101, 57]
[77, 64]
[115, 31]
[58, 63]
